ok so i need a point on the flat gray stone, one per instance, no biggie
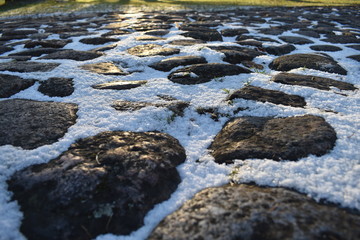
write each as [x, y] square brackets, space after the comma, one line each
[47, 43]
[98, 40]
[325, 48]
[28, 66]
[57, 87]
[279, 139]
[157, 32]
[119, 85]
[208, 35]
[30, 124]
[152, 50]
[10, 85]
[36, 52]
[105, 68]
[187, 42]
[295, 40]
[280, 50]
[149, 38]
[170, 63]
[73, 55]
[355, 57]
[232, 32]
[235, 54]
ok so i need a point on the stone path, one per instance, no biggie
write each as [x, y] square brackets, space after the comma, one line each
[108, 182]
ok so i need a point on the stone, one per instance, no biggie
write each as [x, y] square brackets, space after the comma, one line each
[280, 50]
[119, 85]
[116, 32]
[235, 54]
[313, 61]
[36, 52]
[106, 68]
[104, 48]
[266, 95]
[10, 85]
[355, 57]
[75, 34]
[152, 50]
[57, 87]
[232, 32]
[326, 48]
[157, 32]
[356, 47]
[250, 212]
[102, 184]
[73, 55]
[28, 66]
[187, 42]
[4, 49]
[47, 43]
[250, 42]
[289, 138]
[98, 40]
[295, 40]
[308, 33]
[17, 58]
[30, 124]
[201, 73]
[149, 38]
[170, 63]
[341, 39]
[311, 81]
[208, 35]
[272, 31]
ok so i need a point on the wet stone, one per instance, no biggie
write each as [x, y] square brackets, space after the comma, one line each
[312, 61]
[232, 32]
[311, 81]
[105, 68]
[73, 55]
[355, 57]
[47, 43]
[57, 87]
[289, 138]
[152, 50]
[295, 40]
[10, 85]
[201, 73]
[325, 48]
[235, 55]
[119, 85]
[187, 42]
[98, 40]
[31, 124]
[170, 63]
[251, 212]
[28, 66]
[102, 184]
[280, 50]
[266, 95]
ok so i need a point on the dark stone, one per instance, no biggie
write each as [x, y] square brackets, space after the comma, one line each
[355, 57]
[311, 81]
[149, 26]
[28, 66]
[207, 35]
[312, 61]
[170, 63]
[36, 52]
[31, 124]
[75, 34]
[201, 73]
[17, 58]
[250, 42]
[98, 40]
[232, 32]
[235, 55]
[326, 48]
[119, 85]
[10, 85]
[149, 38]
[295, 40]
[101, 184]
[116, 32]
[157, 32]
[104, 48]
[57, 87]
[105, 68]
[152, 50]
[73, 55]
[266, 95]
[341, 39]
[47, 43]
[272, 31]
[256, 213]
[187, 42]
[308, 33]
[356, 47]
[280, 50]
[4, 49]
[279, 139]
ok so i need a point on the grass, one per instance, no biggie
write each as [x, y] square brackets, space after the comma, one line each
[50, 6]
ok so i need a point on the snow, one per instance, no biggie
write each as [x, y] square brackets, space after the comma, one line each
[333, 177]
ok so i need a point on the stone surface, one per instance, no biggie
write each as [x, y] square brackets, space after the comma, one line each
[232, 32]
[35, 52]
[47, 43]
[288, 138]
[101, 184]
[207, 35]
[355, 57]
[341, 39]
[28, 66]
[312, 61]
[57, 87]
[98, 40]
[119, 85]
[149, 38]
[157, 32]
[251, 212]
[186, 42]
[326, 48]
[311, 81]
[116, 32]
[201, 73]
[170, 63]
[266, 95]
[106, 68]
[280, 50]
[10, 85]
[4, 49]
[235, 55]
[152, 50]
[295, 40]
[31, 124]
[73, 55]
[308, 33]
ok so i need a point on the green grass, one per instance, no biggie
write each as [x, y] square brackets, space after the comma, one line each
[50, 6]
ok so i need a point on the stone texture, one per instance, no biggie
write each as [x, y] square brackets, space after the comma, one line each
[31, 124]
[98, 40]
[341, 39]
[157, 32]
[35, 52]
[187, 42]
[105, 68]
[57, 87]
[250, 212]
[312, 61]
[170, 63]
[47, 43]
[28, 66]
[149, 38]
[207, 35]
[235, 55]
[266, 95]
[101, 184]
[119, 85]
[325, 48]
[73, 55]
[232, 32]
[152, 50]
[295, 40]
[10, 85]
[116, 32]
[311, 81]
[280, 50]
[201, 73]
[4, 49]
[288, 138]
[308, 33]
[355, 57]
